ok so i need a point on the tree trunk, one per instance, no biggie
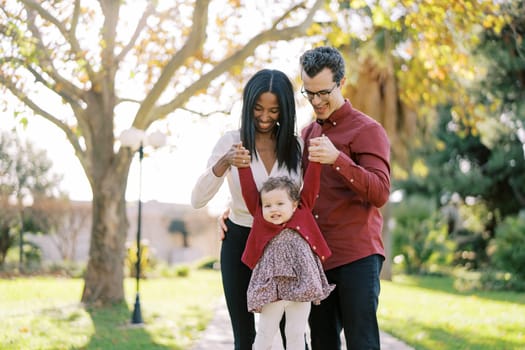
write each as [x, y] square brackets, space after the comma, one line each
[105, 270]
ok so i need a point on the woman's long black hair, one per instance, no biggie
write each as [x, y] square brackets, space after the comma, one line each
[270, 80]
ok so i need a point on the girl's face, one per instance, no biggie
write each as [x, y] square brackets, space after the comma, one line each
[266, 112]
[277, 206]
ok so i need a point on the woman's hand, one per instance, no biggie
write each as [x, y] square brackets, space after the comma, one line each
[237, 156]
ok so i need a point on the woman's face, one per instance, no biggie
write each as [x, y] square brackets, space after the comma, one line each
[266, 112]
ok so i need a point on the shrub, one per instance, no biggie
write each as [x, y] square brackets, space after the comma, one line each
[419, 236]
[508, 247]
[147, 261]
[182, 271]
[208, 263]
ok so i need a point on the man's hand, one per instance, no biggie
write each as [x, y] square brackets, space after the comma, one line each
[222, 225]
[322, 150]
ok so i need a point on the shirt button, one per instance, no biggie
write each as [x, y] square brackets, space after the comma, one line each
[352, 180]
[337, 168]
[298, 228]
[334, 123]
[316, 216]
[314, 247]
[307, 238]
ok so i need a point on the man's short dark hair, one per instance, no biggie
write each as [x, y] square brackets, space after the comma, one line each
[315, 60]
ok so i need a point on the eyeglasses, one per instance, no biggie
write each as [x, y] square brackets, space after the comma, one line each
[323, 94]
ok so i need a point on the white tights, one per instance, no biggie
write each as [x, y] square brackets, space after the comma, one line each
[296, 321]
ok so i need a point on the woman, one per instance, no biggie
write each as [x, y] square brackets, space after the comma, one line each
[268, 133]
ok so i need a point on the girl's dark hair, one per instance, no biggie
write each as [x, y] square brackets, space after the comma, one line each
[315, 60]
[270, 80]
[282, 182]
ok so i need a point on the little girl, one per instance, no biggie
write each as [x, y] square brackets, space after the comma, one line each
[285, 249]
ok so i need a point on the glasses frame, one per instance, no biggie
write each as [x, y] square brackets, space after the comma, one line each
[322, 94]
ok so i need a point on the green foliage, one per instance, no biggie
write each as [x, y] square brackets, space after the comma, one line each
[32, 255]
[509, 246]
[207, 263]
[182, 270]
[420, 237]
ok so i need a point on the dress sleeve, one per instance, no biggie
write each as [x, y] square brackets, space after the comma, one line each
[249, 189]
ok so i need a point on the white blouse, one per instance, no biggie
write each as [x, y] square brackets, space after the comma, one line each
[209, 184]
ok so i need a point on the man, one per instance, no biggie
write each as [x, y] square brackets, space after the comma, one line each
[355, 183]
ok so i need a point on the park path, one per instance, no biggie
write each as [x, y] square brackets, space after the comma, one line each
[218, 335]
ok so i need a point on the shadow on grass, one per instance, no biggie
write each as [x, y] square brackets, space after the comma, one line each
[446, 284]
[114, 330]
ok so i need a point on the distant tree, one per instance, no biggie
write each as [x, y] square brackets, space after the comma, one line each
[63, 220]
[483, 158]
[178, 226]
[78, 63]
[9, 221]
[405, 58]
[25, 172]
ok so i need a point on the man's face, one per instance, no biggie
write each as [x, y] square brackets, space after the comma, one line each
[323, 93]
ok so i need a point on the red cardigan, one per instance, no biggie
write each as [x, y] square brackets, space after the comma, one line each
[302, 220]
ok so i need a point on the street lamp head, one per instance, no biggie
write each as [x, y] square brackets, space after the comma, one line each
[27, 201]
[156, 139]
[132, 138]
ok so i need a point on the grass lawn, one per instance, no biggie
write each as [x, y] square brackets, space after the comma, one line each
[427, 313]
[44, 313]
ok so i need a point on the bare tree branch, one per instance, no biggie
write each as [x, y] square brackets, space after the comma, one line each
[287, 13]
[46, 62]
[140, 25]
[74, 19]
[42, 112]
[202, 114]
[68, 35]
[40, 78]
[235, 59]
[193, 44]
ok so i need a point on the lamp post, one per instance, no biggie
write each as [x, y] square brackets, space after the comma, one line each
[137, 139]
